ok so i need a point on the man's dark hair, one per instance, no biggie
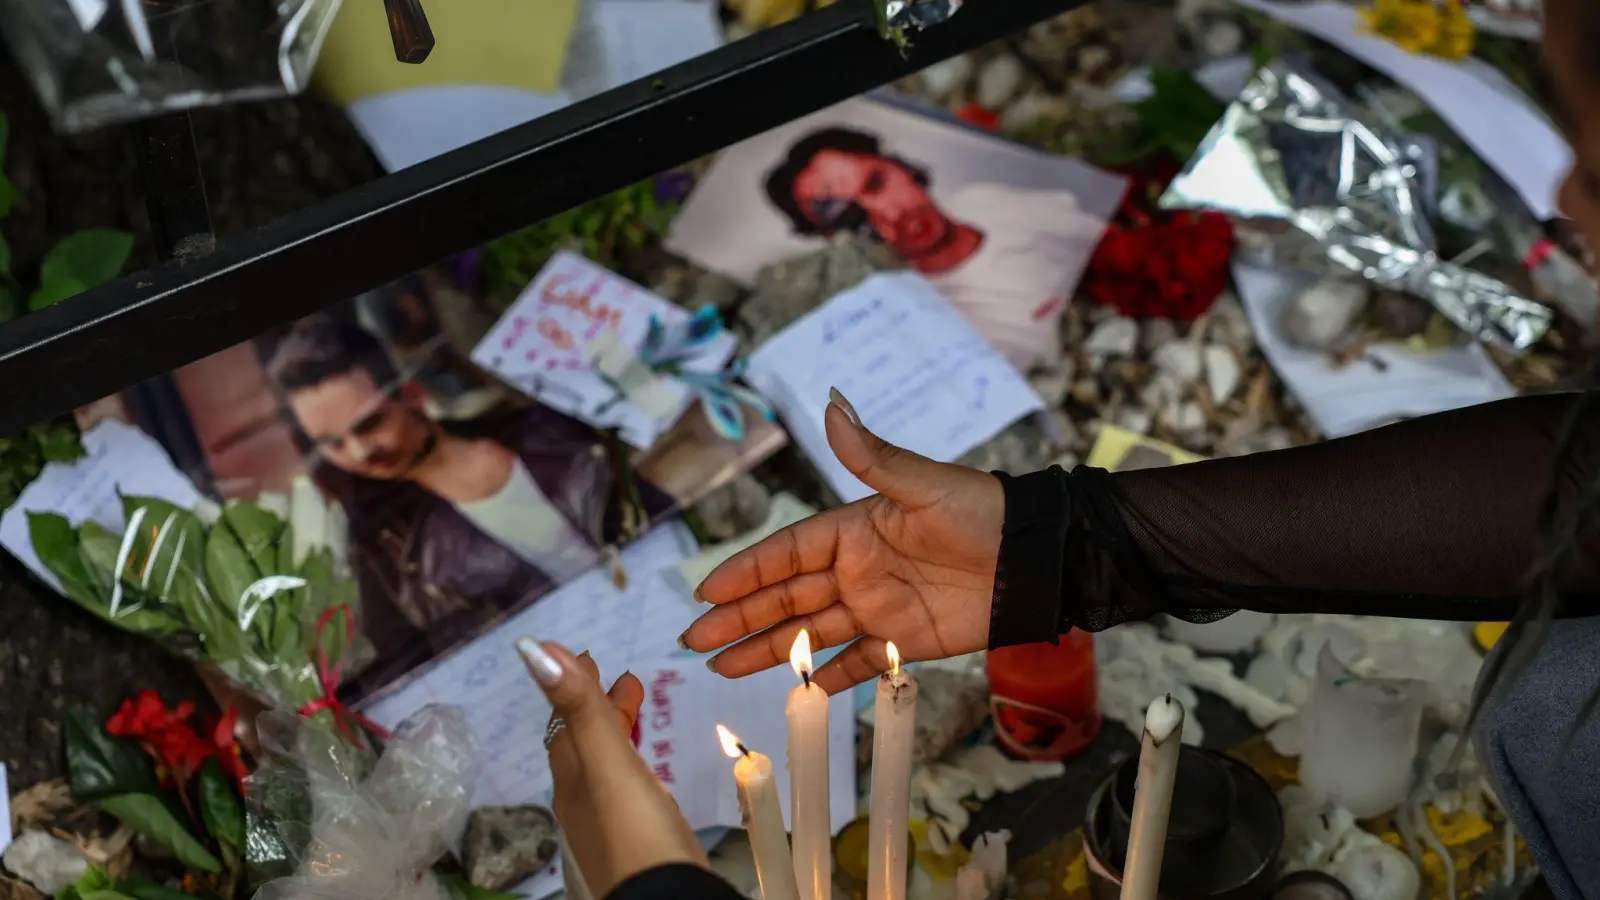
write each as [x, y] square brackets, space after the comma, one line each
[780, 181]
[319, 347]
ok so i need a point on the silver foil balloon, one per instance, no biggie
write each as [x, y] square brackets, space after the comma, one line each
[1313, 185]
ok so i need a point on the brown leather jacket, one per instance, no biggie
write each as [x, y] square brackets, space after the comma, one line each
[430, 578]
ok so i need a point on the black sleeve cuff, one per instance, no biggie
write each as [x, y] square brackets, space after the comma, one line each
[675, 881]
[1028, 575]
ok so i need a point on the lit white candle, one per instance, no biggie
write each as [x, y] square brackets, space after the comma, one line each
[807, 712]
[893, 728]
[763, 819]
[1152, 798]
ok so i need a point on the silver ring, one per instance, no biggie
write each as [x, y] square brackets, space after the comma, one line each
[551, 730]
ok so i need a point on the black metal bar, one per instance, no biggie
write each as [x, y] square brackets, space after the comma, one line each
[176, 312]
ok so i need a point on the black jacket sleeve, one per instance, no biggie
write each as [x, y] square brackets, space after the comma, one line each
[676, 881]
[1434, 518]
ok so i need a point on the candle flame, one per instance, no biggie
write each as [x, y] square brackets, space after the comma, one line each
[894, 658]
[730, 742]
[800, 655]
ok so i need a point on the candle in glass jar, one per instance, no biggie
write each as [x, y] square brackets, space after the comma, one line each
[763, 819]
[807, 712]
[893, 729]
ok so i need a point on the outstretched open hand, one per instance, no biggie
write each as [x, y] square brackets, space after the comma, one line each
[913, 564]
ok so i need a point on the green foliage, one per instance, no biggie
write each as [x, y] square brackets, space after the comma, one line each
[78, 263]
[1173, 120]
[603, 230]
[457, 887]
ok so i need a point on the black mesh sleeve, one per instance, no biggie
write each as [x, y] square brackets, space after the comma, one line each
[1436, 517]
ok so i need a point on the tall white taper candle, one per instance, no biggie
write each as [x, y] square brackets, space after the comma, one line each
[893, 729]
[763, 819]
[1152, 798]
[812, 832]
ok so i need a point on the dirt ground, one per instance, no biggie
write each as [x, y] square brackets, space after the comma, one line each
[261, 161]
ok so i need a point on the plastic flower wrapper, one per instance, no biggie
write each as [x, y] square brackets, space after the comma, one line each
[261, 590]
[322, 827]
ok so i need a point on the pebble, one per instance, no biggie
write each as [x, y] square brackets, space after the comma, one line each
[1180, 360]
[1221, 39]
[1223, 373]
[999, 80]
[1320, 316]
[1031, 108]
[506, 845]
[45, 861]
[1154, 333]
[943, 79]
[1115, 336]
[1135, 419]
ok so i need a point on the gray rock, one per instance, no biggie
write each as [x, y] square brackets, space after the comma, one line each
[942, 79]
[1179, 361]
[734, 508]
[1400, 315]
[1153, 333]
[999, 80]
[1223, 372]
[1113, 336]
[506, 845]
[1022, 448]
[787, 290]
[715, 290]
[1322, 314]
[45, 861]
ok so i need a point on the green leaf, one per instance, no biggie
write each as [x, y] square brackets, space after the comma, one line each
[103, 894]
[136, 609]
[54, 291]
[55, 542]
[259, 531]
[168, 546]
[10, 306]
[101, 766]
[229, 569]
[90, 258]
[149, 815]
[58, 441]
[221, 809]
[145, 889]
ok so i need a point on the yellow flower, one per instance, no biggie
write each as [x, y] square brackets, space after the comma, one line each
[1413, 24]
[1456, 31]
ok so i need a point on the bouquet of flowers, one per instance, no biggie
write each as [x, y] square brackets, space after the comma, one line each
[260, 590]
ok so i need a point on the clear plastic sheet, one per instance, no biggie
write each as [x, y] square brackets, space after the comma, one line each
[259, 589]
[95, 62]
[332, 823]
[1312, 184]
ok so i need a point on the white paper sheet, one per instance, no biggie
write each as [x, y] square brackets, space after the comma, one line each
[914, 370]
[543, 345]
[1344, 400]
[613, 42]
[1507, 131]
[632, 629]
[786, 509]
[5, 810]
[121, 458]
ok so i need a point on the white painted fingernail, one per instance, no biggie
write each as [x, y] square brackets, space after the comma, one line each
[838, 399]
[541, 665]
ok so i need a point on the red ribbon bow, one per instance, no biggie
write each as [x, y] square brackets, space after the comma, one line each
[328, 675]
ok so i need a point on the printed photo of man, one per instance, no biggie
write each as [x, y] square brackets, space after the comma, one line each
[1006, 257]
[456, 522]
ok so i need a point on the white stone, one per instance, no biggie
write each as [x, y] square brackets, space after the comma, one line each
[1180, 360]
[1030, 108]
[999, 80]
[1115, 336]
[45, 861]
[1093, 58]
[942, 79]
[1135, 420]
[1223, 373]
[1161, 390]
[1220, 39]
[1189, 419]
[1052, 385]
[1323, 313]
[1153, 333]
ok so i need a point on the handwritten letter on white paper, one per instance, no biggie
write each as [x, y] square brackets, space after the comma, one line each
[914, 370]
[544, 345]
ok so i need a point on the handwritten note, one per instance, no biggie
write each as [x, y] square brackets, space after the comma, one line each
[632, 629]
[546, 341]
[121, 458]
[916, 372]
[1391, 382]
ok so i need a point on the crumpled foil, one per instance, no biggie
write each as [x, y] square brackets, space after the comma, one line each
[915, 15]
[1312, 185]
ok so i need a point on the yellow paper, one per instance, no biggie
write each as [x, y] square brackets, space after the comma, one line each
[503, 43]
[1114, 446]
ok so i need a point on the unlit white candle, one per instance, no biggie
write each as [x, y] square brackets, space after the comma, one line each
[809, 819]
[893, 729]
[1152, 798]
[763, 820]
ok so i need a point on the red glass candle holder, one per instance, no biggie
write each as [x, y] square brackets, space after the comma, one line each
[1045, 698]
